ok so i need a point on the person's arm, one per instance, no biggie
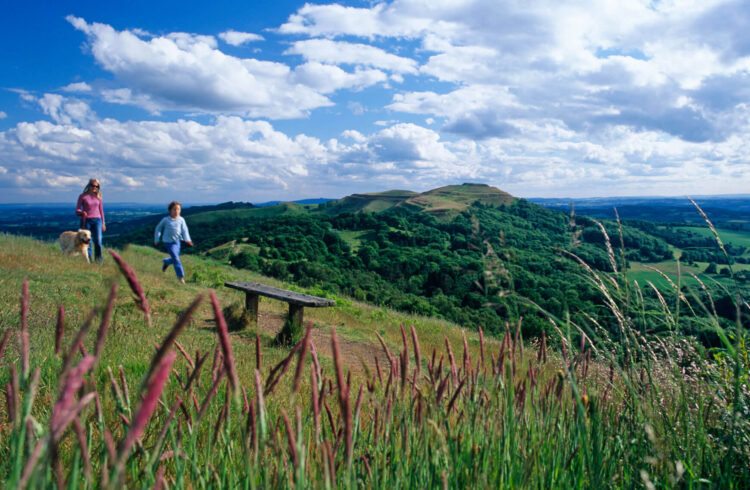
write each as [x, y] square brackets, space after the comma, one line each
[186, 233]
[101, 213]
[157, 232]
[79, 206]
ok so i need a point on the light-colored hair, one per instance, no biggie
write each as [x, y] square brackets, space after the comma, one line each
[88, 188]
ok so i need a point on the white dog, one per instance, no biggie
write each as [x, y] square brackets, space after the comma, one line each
[75, 242]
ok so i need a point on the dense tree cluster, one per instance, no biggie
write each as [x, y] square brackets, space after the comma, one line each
[410, 261]
[696, 246]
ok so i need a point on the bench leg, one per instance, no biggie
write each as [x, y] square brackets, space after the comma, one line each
[291, 333]
[295, 318]
[251, 310]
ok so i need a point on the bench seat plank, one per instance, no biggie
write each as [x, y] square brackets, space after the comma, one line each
[291, 297]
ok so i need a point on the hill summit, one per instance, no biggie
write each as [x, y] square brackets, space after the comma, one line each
[444, 203]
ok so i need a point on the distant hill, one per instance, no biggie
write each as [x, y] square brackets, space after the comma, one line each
[48, 220]
[188, 211]
[318, 200]
[731, 212]
[448, 202]
[736, 202]
[374, 202]
[117, 229]
[444, 203]
[251, 213]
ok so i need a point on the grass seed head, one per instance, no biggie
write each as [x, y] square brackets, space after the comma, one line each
[291, 442]
[405, 354]
[10, 403]
[185, 354]
[147, 407]
[59, 329]
[24, 337]
[301, 360]
[226, 345]
[101, 335]
[257, 352]
[450, 356]
[417, 353]
[481, 345]
[135, 285]
[467, 356]
[344, 403]
[66, 407]
[171, 337]
[24, 304]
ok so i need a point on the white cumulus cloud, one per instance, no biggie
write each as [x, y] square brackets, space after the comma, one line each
[81, 87]
[62, 110]
[588, 65]
[403, 19]
[232, 154]
[186, 72]
[330, 78]
[236, 38]
[235, 158]
[340, 52]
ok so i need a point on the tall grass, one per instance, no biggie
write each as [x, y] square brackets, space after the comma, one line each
[625, 409]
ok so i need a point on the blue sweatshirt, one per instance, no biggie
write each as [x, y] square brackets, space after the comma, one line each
[172, 230]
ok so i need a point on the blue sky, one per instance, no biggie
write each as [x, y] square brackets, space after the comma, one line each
[268, 100]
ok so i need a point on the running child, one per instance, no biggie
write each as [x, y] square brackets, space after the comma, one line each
[172, 231]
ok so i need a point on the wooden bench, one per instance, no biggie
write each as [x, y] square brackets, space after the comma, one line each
[297, 301]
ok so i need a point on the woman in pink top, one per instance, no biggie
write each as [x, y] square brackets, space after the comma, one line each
[91, 211]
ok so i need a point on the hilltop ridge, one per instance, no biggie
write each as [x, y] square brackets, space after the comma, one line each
[448, 201]
[373, 202]
[444, 203]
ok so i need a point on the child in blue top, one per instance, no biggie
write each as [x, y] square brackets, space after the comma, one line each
[173, 230]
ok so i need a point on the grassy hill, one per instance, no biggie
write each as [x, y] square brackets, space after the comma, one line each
[444, 203]
[265, 212]
[56, 280]
[438, 406]
[371, 202]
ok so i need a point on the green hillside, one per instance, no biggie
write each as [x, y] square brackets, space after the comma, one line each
[371, 202]
[470, 254]
[444, 203]
[288, 208]
[55, 279]
[436, 406]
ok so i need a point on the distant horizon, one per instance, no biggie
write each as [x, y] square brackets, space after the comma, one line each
[187, 204]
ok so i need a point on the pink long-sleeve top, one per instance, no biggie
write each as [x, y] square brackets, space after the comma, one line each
[92, 205]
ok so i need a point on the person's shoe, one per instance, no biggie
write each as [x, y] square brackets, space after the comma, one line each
[181, 280]
[164, 266]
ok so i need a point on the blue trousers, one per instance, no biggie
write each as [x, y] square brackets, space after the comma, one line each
[173, 249]
[95, 226]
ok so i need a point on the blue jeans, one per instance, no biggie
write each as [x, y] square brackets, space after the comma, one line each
[173, 249]
[95, 226]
